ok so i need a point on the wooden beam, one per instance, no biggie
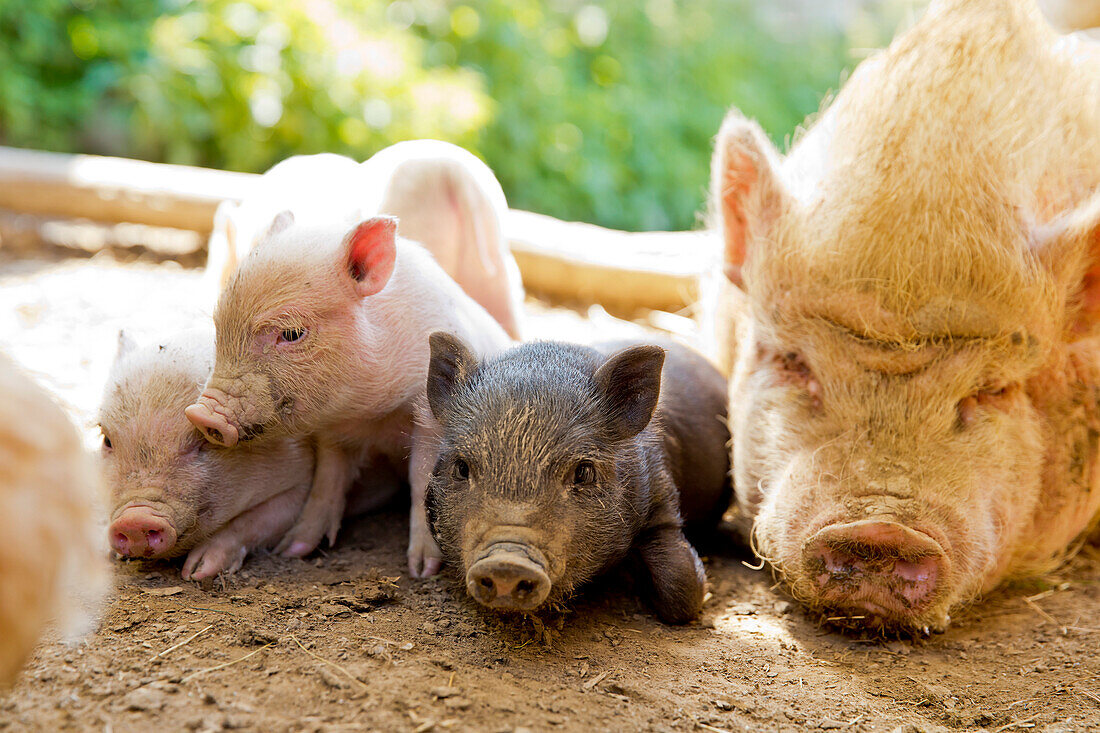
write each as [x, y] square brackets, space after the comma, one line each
[624, 271]
[566, 261]
[115, 189]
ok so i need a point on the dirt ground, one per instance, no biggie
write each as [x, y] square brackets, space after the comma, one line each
[346, 641]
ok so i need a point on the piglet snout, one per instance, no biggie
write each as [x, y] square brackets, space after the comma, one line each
[509, 581]
[882, 568]
[208, 418]
[141, 532]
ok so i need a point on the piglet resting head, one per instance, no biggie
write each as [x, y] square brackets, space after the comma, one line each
[289, 328]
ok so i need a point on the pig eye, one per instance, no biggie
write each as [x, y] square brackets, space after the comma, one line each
[107, 442]
[460, 470]
[290, 335]
[584, 474]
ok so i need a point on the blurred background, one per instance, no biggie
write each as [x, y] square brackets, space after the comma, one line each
[601, 112]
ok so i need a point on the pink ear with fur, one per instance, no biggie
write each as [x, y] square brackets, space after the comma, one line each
[746, 190]
[371, 251]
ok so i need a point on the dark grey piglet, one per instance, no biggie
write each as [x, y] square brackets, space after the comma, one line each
[557, 460]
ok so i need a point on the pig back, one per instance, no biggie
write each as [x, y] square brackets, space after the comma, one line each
[691, 420]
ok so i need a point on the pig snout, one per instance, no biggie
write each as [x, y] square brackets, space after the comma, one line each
[509, 579]
[876, 567]
[141, 532]
[208, 415]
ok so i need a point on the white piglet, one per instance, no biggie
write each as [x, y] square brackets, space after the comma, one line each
[323, 334]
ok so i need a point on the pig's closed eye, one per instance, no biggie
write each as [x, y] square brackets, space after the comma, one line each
[290, 335]
[460, 470]
[584, 474]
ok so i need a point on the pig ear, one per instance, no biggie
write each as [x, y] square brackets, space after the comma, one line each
[279, 224]
[451, 364]
[1070, 246]
[369, 254]
[746, 190]
[630, 381]
[125, 345]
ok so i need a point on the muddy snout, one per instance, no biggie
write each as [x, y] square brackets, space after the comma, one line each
[141, 532]
[509, 577]
[877, 567]
[208, 415]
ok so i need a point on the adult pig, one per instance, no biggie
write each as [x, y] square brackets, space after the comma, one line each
[557, 460]
[443, 197]
[174, 494]
[322, 334]
[50, 561]
[914, 398]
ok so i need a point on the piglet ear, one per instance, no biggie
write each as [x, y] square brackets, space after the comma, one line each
[1070, 247]
[630, 383]
[125, 345]
[451, 364]
[279, 224]
[746, 189]
[369, 254]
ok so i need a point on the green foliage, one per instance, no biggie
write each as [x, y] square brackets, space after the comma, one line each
[597, 111]
[245, 84]
[606, 111]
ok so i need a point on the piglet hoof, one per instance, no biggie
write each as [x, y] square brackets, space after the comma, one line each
[425, 559]
[677, 580]
[305, 536]
[213, 557]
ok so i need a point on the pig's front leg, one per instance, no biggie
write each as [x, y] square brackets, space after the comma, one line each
[225, 550]
[324, 509]
[677, 579]
[424, 556]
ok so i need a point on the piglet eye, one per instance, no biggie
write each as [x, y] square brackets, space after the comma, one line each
[584, 473]
[290, 335]
[460, 470]
[107, 442]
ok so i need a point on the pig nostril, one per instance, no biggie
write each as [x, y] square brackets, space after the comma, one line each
[215, 434]
[525, 586]
[487, 583]
[122, 542]
[152, 537]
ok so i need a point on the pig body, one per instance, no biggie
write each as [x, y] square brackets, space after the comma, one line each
[322, 334]
[558, 460]
[174, 494]
[443, 197]
[447, 200]
[915, 297]
[49, 558]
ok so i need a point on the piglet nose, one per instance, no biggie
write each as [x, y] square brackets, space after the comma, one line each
[139, 532]
[508, 581]
[213, 425]
[878, 566]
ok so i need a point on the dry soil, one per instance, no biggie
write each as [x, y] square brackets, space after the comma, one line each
[346, 641]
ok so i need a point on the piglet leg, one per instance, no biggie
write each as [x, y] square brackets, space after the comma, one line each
[324, 508]
[677, 579]
[261, 526]
[425, 558]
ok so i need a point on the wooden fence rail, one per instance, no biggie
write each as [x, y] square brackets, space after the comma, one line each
[563, 260]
